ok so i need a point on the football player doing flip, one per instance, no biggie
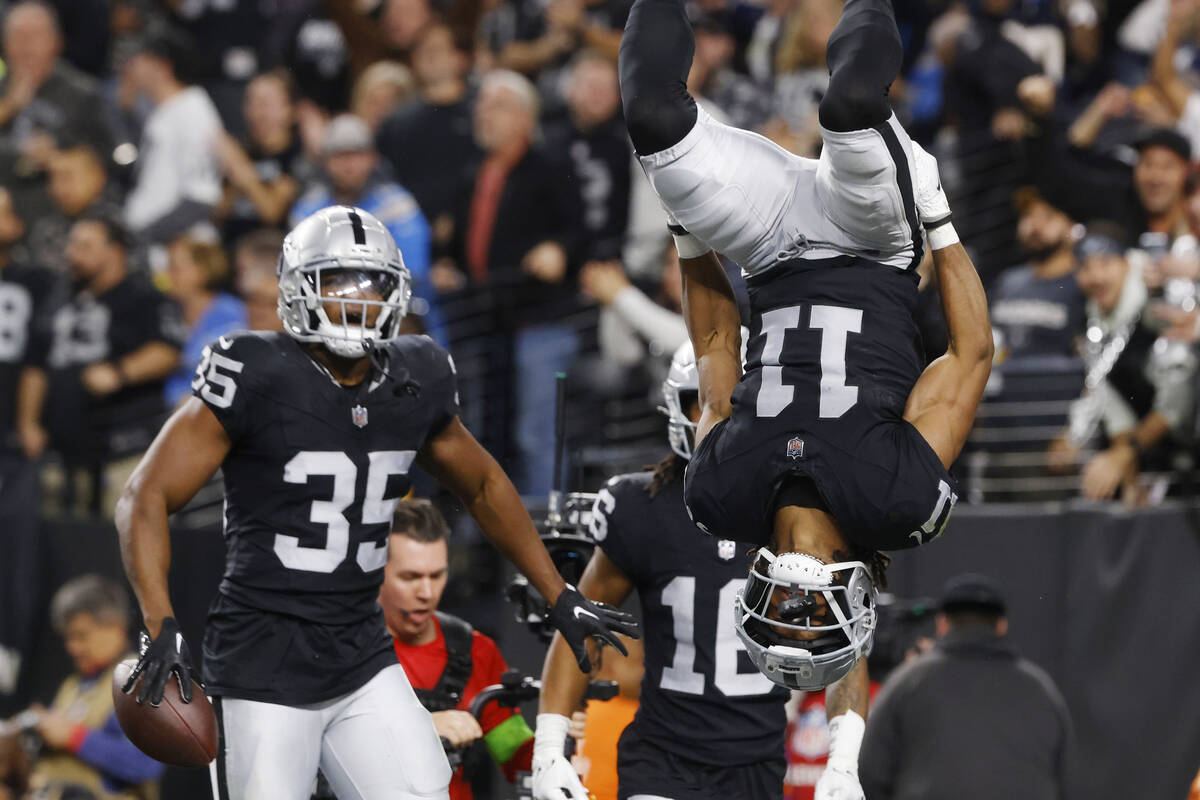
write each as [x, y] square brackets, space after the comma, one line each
[315, 430]
[835, 443]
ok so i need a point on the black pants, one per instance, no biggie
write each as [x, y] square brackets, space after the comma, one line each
[863, 54]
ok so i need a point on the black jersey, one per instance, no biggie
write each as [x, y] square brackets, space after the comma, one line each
[833, 355]
[701, 696]
[311, 480]
[24, 296]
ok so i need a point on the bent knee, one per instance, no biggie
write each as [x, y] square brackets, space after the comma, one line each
[657, 121]
[852, 105]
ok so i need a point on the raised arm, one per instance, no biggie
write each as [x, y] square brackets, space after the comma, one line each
[464, 467]
[942, 404]
[182, 458]
[713, 323]
[564, 687]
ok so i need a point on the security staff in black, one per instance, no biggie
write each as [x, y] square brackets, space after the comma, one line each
[315, 430]
[708, 723]
[835, 442]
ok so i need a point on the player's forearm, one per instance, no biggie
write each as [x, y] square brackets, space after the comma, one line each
[851, 693]
[711, 314]
[563, 685]
[964, 304]
[502, 517]
[146, 549]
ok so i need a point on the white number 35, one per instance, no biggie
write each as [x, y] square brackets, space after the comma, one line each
[214, 377]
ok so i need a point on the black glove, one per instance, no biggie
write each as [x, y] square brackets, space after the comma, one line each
[577, 618]
[166, 654]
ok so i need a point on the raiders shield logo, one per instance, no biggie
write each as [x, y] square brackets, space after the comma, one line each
[358, 415]
[726, 549]
[795, 448]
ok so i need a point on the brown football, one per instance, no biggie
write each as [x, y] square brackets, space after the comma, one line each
[178, 733]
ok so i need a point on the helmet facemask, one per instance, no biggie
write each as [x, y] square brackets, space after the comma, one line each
[342, 282]
[681, 431]
[806, 624]
[345, 306]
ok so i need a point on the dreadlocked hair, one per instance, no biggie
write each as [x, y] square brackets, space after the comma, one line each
[666, 472]
[877, 562]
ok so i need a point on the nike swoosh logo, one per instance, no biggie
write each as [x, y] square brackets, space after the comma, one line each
[178, 642]
[579, 610]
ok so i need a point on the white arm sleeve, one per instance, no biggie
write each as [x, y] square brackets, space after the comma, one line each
[663, 329]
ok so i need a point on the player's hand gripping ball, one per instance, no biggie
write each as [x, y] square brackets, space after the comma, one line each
[177, 725]
[578, 618]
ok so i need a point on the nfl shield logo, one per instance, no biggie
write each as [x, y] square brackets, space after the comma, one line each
[795, 448]
[358, 415]
[726, 549]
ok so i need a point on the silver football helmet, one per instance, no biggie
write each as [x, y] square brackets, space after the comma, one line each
[683, 378]
[342, 281]
[805, 624]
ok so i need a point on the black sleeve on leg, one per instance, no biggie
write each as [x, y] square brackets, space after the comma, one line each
[864, 55]
[656, 55]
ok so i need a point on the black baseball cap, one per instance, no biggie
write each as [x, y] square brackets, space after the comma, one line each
[1169, 138]
[972, 592]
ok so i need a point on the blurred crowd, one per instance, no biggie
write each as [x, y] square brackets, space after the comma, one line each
[153, 154]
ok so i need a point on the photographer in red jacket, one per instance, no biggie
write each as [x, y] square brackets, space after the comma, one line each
[447, 662]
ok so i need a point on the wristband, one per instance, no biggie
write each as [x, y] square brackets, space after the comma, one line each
[550, 736]
[941, 236]
[845, 739]
[689, 246]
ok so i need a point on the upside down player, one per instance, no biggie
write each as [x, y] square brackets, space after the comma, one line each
[315, 430]
[835, 444]
[704, 727]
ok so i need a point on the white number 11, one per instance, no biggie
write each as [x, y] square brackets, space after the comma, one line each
[836, 324]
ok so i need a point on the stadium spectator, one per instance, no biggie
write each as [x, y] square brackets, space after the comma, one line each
[1147, 198]
[353, 176]
[44, 102]
[598, 151]
[971, 718]
[314, 53]
[538, 39]
[78, 186]
[261, 171]
[801, 77]
[178, 175]
[517, 231]
[25, 296]
[1037, 308]
[447, 662]
[633, 324]
[254, 259]
[384, 87]
[85, 753]
[429, 140]
[742, 103]
[198, 272]
[387, 32]
[1143, 402]
[99, 389]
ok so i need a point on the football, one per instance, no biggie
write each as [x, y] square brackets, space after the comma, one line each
[177, 733]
